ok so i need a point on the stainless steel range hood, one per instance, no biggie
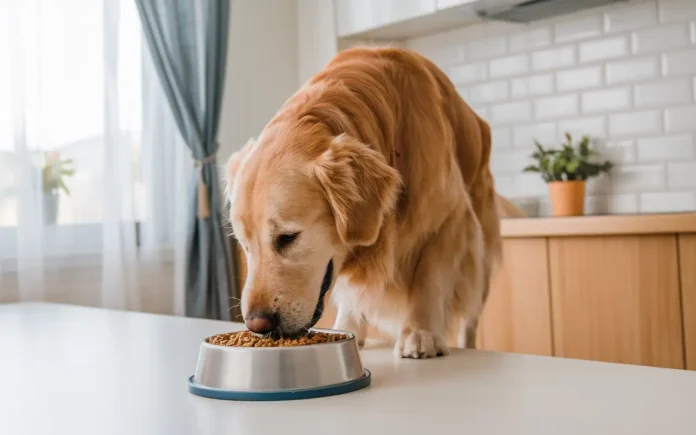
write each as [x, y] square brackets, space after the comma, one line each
[533, 10]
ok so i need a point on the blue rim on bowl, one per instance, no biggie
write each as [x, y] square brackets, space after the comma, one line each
[310, 393]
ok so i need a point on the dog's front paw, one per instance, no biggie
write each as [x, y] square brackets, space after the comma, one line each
[421, 344]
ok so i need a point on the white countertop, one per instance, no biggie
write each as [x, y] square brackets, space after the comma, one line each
[69, 370]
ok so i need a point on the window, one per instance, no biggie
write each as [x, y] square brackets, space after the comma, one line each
[56, 103]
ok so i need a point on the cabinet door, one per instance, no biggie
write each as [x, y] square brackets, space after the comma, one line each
[516, 317]
[687, 261]
[355, 16]
[616, 299]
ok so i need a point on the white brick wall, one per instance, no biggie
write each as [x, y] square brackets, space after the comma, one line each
[625, 74]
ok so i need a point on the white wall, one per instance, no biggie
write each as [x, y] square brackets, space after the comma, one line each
[625, 74]
[262, 68]
[316, 36]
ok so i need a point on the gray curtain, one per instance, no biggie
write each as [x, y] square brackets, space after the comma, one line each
[188, 43]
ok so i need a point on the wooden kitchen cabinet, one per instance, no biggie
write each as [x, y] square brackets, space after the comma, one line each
[517, 315]
[687, 267]
[616, 299]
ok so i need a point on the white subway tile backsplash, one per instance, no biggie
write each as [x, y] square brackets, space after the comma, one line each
[598, 185]
[482, 111]
[501, 137]
[680, 119]
[629, 70]
[663, 93]
[504, 185]
[439, 49]
[605, 48]
[660, 38]
[468, 73]
[624, 74]
[682, 175]
[509, 66]
[530, 39]
[511, 112]
[486, 48]
[619, 151]
[580, 78]
[635, 123]
[676, 10]
[661, 148]
[611, 204]
[594, 127]
[680, 62]
[530, 184]
[509, 161]
[638, 15]
[553, 58]
[525, 135]
[639, 178]
[606, 100]
[667, 202]
[531, 86]
[556, 107]
[576, 28]
[488, 92]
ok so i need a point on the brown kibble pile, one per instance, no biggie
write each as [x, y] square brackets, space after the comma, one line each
[249, 339]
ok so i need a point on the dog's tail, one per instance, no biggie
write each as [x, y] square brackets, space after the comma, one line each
[507, 209]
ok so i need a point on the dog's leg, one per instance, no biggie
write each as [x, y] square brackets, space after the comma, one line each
[471, 328]
[346, 321]
[430, 295]
[451, 262]
[461, 333]
[466, 335]
[468, 326]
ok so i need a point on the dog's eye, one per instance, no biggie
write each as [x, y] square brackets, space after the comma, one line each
[285, 240]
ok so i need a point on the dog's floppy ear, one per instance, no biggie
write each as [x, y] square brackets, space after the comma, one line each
[233, 164]
[360, 186]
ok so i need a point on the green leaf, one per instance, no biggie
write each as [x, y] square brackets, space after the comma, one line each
[62, 185]
[573, 165]
[531, 168]
[539, 147]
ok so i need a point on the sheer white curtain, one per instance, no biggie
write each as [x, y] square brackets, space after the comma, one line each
[91, 189]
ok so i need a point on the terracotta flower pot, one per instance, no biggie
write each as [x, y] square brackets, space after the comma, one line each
[567, 198]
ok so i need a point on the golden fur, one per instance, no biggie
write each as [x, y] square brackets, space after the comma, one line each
[382, 168]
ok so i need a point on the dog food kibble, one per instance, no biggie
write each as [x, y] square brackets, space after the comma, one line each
[249, 339]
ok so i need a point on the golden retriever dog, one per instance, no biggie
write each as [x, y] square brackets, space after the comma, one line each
[372, 180]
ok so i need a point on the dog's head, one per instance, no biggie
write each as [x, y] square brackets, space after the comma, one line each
[299, 205]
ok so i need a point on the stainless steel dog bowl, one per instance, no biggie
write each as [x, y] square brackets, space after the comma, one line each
[279, 373]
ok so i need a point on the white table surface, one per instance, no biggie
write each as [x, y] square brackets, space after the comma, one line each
[71, 370]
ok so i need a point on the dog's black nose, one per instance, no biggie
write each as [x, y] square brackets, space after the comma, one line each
[262, 322]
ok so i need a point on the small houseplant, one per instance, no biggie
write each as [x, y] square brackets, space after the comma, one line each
[53, 174]
[566, 170]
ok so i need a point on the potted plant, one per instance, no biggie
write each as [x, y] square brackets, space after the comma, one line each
[53, 174]
[566, 170]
